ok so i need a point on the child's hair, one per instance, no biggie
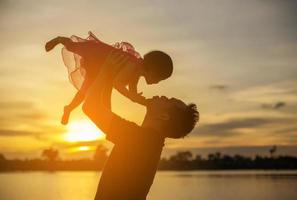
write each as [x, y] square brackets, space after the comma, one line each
[158, 64]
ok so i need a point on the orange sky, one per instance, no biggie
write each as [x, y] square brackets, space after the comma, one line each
[235, 59]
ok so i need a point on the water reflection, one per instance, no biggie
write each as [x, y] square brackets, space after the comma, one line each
[176, 185]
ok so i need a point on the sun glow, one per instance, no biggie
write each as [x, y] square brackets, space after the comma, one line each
[81, 149]
[84, 148]
[80, 131]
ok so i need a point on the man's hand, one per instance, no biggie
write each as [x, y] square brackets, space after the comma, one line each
[99, 94]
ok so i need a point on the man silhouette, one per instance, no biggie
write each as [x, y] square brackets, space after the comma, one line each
[130, 169]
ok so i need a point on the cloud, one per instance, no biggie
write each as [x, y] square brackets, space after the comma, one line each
[33, 115]
[279, 105]
[15, 105]
[288, 130]
[219, 87]
[85, 143]
[93, 144]
[20, 112]
[3, 4]
[275, 106]
[230, 128]
[14, 133]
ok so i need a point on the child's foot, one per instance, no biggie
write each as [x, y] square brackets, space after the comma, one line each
[65, 117]
[51, 44]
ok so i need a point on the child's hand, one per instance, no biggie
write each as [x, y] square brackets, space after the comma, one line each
[51, 44]
[138, 98]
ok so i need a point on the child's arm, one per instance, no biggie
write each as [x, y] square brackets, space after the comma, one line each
[133, 85]
[130, 93]
[121, 88]
[76, 101]
[75, 47]
[129, 76]
[133, 93]
[57, 40]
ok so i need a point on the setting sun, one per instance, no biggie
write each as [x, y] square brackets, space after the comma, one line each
[83, 131]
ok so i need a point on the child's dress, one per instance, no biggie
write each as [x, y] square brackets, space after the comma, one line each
[84, 57]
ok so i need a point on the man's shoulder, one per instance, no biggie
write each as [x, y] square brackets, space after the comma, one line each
[122, 130]
[150, 136]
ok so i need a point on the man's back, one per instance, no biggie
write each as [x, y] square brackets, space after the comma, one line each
[129, 172]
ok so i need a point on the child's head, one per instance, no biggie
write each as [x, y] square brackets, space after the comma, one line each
[157, 66]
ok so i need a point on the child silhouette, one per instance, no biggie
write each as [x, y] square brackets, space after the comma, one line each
[90, 53]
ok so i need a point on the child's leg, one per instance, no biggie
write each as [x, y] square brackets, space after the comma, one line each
[76, 101]
[65, 117]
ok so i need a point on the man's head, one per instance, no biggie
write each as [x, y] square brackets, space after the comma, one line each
[171, 117]
[158, 66]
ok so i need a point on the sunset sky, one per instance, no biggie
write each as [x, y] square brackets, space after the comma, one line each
[235, 59]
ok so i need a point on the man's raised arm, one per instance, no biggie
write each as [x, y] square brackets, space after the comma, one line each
[98, 98]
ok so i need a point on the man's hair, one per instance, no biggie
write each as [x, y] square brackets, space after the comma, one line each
[159, 64]
[182, 121]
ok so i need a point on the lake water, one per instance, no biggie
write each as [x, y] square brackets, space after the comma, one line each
[168, 185]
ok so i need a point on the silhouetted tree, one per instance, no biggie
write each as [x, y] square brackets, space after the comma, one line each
[182, 156]
[50, 154]
[218, 155]
[198, 158]
[211, 157]
[272, 150]
[2, 157]
[180, 161]
[215, 156]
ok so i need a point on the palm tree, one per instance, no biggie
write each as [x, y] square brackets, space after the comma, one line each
[272, 150]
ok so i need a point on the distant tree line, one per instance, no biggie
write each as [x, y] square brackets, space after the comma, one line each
[186, 161]
[50, 161]
[183, 160]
